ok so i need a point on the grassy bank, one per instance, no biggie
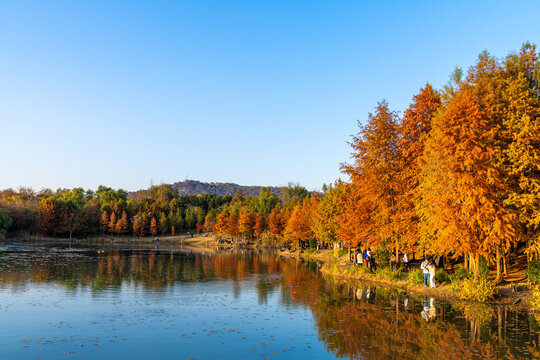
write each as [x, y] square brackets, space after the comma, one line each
[455, 285]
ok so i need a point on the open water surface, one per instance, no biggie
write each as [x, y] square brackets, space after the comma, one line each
[90, 303]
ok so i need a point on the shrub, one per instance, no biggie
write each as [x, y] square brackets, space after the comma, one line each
[358, 270]
[461, 274]
[483, 266]
[389, 273]
[343, 252]
[533, 272]
[383, 256]
[312, 243]
[480, 289]
[442, 277]
[416, 276]
[536, 299]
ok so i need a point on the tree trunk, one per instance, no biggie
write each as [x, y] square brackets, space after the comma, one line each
[473, 264]
[505, 270]
[476, 266]
[498, 260]
[336, 249]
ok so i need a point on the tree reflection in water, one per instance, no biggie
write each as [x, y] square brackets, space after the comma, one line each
[353, 320]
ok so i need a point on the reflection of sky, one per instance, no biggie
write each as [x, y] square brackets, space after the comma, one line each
[143, 304]
[187, 320]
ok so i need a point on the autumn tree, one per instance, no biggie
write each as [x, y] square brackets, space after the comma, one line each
[414, 128]
[258, 227]
[461, 204]
[232, 224]
[104, 222]
[276, 222]
[49, 216]
[521, 130]
[373, 172]
[221, 223]
[301, 224]
[112, 223]
[122, 224]
[153, 226]
[137, 226]
[354, 219]
[245, 224]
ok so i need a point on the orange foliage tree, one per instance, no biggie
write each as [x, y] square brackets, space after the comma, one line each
[245, 223]
[276, 222]
[221, 223]
[231, 227]
[112, 222]
[153, 226]
[413, 128]
[301, 224]
[461, 204]
[375, 184]
[258, 227]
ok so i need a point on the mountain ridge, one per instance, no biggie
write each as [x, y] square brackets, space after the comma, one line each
[195, 187]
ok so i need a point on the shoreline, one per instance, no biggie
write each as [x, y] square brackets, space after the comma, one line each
[207, 243]
[199, 242]
[520, 300]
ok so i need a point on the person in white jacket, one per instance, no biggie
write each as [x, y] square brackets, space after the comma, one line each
[424, 267]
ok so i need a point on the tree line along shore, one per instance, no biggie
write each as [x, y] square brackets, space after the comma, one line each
[456, 175]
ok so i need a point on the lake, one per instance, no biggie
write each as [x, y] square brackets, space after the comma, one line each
[98, 303]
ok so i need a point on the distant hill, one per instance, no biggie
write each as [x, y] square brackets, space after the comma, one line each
[194, 187]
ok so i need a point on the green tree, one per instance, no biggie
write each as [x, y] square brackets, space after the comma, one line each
[266, 201]
[163, 223]
[5, 221]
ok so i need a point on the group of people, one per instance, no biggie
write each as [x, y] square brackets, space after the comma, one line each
[428, 266]
[394, 261]
[365, 258]
[430, 270]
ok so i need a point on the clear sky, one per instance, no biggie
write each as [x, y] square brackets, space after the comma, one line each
[252, 92]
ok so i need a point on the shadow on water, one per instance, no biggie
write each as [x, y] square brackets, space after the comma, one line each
[351, 320]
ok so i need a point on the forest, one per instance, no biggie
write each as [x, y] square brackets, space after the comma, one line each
[457, 174]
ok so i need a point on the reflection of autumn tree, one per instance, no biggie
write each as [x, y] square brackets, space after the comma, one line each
[361, 330]
[350, 325]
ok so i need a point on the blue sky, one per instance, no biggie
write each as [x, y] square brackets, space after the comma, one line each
[254, 92]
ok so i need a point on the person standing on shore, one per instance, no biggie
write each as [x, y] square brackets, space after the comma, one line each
[393, 261]
[406, 262]
[424, 267]
[365, 256]
[432, 271]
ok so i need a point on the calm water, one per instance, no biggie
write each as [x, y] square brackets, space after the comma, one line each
[143, 304]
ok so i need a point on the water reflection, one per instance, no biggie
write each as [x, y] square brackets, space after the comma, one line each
[351, 320]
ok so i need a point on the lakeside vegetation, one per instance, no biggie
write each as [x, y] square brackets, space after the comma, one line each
[457, 175]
